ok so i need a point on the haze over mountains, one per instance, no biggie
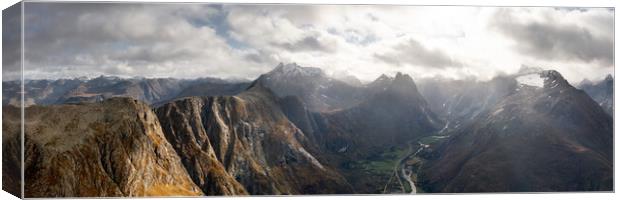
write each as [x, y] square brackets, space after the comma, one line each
[296, 130]
[149, 90]
[601, 91]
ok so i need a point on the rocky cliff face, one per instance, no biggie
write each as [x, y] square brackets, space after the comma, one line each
[182, 122]
[248, 138]
[554, 138]
[109, 149]
[307, 121]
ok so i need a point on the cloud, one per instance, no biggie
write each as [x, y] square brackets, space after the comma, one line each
[551, 38]
[11, 43]
[308, 43]
[414, 53]
[244, 41]
[128, 39]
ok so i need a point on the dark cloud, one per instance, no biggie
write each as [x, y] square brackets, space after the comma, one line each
[122, 38]
[245, 40]
[261, 56]
[414, 53]
[554, 40]
[309, 43]
[11, 42]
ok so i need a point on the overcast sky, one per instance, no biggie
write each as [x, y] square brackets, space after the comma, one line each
[243, 41]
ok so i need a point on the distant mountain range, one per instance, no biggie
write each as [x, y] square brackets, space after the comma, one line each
[149, 90]
[296, 130]
[602, 92]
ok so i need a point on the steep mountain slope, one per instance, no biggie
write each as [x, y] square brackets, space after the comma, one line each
[252, 139]
[602, 92]
[317, 90]
[297, 112]
[554, 138]
[375, 131]
[108, 149]
[182, 125]
[394, 114]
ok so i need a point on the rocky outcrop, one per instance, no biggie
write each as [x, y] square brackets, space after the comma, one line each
[248, 138]
[182, 123]
[554, 138]
[110, 149]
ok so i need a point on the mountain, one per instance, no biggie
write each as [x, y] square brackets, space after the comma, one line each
[151, 90]
[213, 88]
[348, 79]
[554, 138]
[43, 92]
[114, 148]
[317, 90]
[103, 87]
[389, 119]
[393, 114]
[250, 138]
[295, 130]
[461, 101]
[602, 92]
[307, 121]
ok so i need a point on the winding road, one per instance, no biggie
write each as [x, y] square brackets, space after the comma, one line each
[404, 173]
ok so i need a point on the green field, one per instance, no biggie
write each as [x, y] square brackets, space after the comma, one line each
[383, 163]
[373, 172]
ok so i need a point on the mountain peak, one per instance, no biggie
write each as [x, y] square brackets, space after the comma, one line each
[382, 82]
[404, 78]
[403, 82]
[585, 82]
[383, 77]
[609, 77]
[553, 79]
[293, 69]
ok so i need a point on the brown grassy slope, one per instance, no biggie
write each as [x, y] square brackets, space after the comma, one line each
[113, 148]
